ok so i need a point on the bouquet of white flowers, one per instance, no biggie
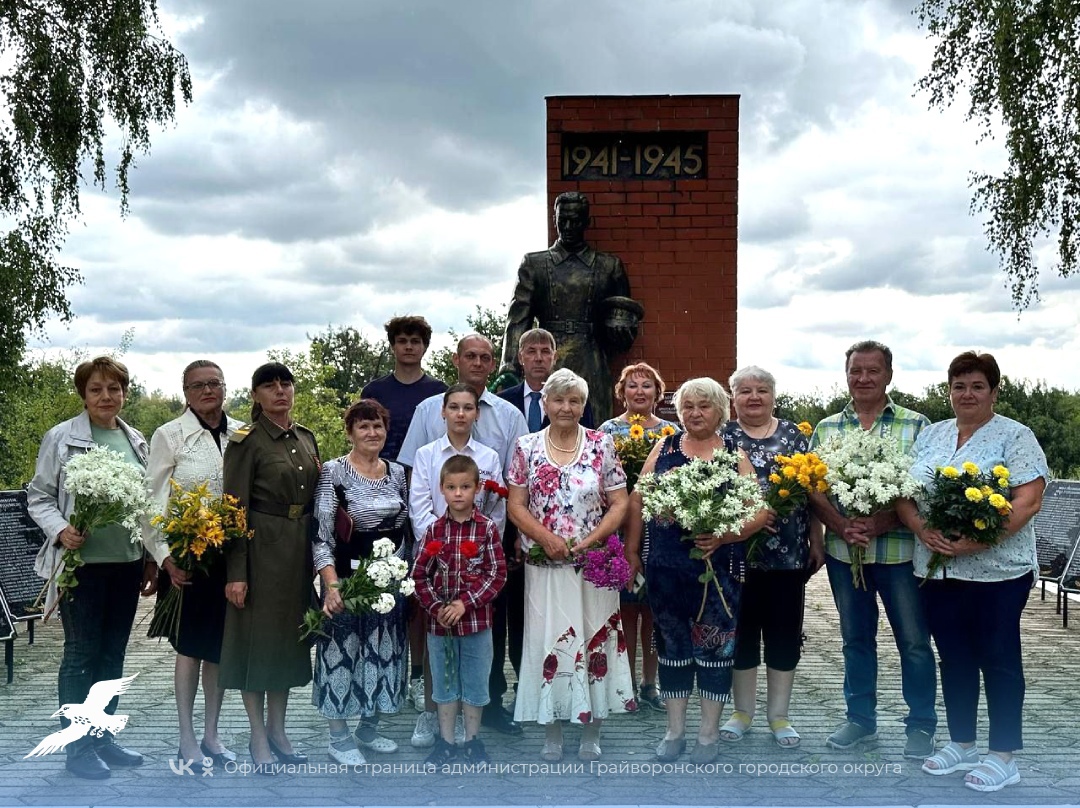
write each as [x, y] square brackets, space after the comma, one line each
[703, 496]
[867, 473]
[108, 490]
[372, 587]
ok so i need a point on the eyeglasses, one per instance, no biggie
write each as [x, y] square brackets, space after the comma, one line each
[213, 386]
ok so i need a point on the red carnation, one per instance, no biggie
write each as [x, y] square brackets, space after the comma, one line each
[470, 549]
[491, 485]
[585, 718]
[432, 548]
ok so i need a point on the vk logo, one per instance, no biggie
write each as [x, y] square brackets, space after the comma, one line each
[183, 767]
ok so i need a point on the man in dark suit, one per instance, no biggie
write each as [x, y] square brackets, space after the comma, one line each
[537, 353]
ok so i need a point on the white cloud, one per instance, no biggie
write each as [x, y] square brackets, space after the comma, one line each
[344, 162]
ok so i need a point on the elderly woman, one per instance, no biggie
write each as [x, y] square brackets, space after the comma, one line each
[98, 612]
[272, 467]
[693, 639]
[640, 389]
[774, 591]
[360, 667]
[973, 605]
[567, 493]
[188, 451]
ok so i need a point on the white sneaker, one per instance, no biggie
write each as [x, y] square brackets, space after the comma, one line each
[348, 757]
[416, 694]
[459, 729]
[427, 727]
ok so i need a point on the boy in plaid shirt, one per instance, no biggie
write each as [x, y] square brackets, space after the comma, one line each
[458, 573]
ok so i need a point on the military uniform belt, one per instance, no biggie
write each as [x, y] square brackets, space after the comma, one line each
[289, 511]
[569, 327]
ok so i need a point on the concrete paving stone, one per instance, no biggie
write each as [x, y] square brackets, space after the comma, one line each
[1047, 763]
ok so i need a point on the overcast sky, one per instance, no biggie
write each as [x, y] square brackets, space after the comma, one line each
[346, 161]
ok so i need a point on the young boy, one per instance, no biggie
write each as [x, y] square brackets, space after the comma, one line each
[459, 571]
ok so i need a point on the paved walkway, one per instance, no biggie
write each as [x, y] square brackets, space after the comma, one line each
[877, 775]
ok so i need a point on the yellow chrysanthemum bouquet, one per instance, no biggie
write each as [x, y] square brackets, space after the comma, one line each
[966, 503]
[792, 480]
[197, 526]
[634, 448]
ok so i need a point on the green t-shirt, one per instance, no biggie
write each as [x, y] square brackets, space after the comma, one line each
[112, 544]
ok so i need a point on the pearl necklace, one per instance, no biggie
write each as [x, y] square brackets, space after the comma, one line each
[551, 444]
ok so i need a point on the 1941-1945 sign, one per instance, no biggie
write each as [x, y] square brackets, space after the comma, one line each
[634, 156]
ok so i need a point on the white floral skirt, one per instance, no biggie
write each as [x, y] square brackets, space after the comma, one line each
[573, 662]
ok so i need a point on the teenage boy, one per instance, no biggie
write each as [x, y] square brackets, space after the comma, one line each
[408, 385]
[459, 571]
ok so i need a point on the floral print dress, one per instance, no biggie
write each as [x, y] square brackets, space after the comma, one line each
[574, 665]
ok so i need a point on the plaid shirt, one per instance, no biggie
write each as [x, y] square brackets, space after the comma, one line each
[899, 423]
[449, 575]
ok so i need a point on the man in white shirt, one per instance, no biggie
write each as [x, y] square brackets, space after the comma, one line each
[500, 423]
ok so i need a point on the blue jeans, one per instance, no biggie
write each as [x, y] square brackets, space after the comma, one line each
[858, 609]
[465, 677]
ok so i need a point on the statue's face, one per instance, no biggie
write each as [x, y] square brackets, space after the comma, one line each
[571, 222]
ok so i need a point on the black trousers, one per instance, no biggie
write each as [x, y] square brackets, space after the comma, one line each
[507, 625]
[97, 620]
[976, 628]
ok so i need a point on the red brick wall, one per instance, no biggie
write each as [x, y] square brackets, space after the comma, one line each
[677, 237]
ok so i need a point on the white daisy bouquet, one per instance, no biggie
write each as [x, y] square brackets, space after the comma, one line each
[703, 496]
[373, 587]
[107, 490]
[867, 473]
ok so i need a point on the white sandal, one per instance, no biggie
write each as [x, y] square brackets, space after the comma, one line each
[736, 726]
[993, 774]
[952, 757]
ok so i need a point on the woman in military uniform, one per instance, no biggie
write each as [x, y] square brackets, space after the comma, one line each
[272, 467]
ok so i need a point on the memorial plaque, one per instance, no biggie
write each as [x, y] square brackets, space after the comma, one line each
[1057, 530]
[20, 539]
[634, 155]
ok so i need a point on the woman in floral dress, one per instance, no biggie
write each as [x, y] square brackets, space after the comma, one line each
[567, 493]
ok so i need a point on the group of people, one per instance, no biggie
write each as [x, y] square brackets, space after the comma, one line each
[427, 471]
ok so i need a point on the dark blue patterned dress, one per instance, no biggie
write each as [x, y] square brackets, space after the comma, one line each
[686, 643]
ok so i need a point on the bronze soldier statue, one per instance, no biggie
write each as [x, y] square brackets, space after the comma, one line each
[582, 297]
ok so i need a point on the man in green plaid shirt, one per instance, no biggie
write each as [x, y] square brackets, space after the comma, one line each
[887, 569]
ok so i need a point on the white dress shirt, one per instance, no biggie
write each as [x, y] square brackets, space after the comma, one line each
[499, 426]
[426, 502]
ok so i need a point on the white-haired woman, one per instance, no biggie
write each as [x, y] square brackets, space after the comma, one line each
[693, 640]
[567, 493]
[774, 593]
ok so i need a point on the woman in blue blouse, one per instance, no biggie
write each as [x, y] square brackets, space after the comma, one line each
[973, 605]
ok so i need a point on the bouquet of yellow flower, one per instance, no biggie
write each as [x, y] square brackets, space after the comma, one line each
[633, 450]
[790, 484]
[197, 526]
[966, 502]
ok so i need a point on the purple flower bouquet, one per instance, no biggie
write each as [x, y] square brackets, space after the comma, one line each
[605, 565]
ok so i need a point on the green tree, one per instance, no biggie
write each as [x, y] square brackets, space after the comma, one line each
[354, 359]
[1019, 63]
[147, 411]
[488, 322]
[75, 73]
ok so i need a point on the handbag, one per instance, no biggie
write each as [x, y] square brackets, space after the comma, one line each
[343, 523]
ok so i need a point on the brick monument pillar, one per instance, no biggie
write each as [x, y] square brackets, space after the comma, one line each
[662, 175]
